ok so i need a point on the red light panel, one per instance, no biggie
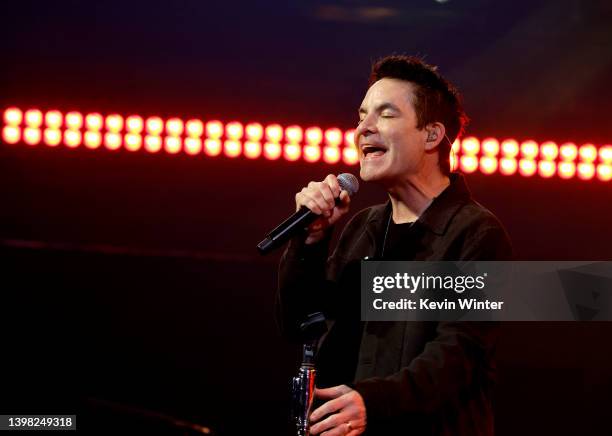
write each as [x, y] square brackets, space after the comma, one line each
[11, 135]
[32, 136]
[252, 149]
[33, 118]
[272, 150]
[52, 137]
[292, 152]
[74, 120]
[13, 116]
[53, 119]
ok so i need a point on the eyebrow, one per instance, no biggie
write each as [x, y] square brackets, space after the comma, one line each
[381, 108]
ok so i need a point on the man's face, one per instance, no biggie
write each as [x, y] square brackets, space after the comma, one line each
[390, 146]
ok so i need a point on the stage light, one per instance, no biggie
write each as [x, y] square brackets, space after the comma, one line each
[53, 119]
[195, 129]
[153, 143]
[490, 147]
[314, 135]
[33, 118]
[333, 137]
[350, 155]
[52, 137]
[272, 150]
[529, 149]
[527, 167]
[605, 154]
[453, 162]
[312, 153]
[112, 141]
[252, 149]
[568, 151]
[114, 123]
[586, 170]
[193, 146]
[292, 152]
[73, 120]
[234, 131]
[546, 168]
[549, 150]
[214, 129]
[587, 153]
[604, 172]
[331, 154]
[566, 170]
[132, 141]
[212, 147]
[254, 132]
[488, 165]
[293, 134]
[456, 146]
[510, 148]
[13, 116]
[32, 135]
[507, 166]
[274, 133]
[172, 144]
[470, 146]
[468, 163]
[174, 127]
[11, 134]
[232, 148]
[155, 125]
[349, 138]
[72, 138]
[93, 122]
[92, 140]
[134, 124]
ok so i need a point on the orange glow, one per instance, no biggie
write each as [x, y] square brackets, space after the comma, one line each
[293, 134]
[587, 153]
[52, 137]
[234, 131]
[549, 150]
[547, 168]
[333, 137]
[214, 130]
[527, 167]
[132, 141]
[349, 138]
[10, 134]
[456, 146]
[274, 133]
[312, 153]
[488, 165]
[155, 125]
[53, 119]
[586, 170]
[468, 163]
[152, 143]
[604, 172]
[174, 127]
[529, 149]
[510, 148]
[507, 166]
[490, 147]
[272, 150]
[72, 138]
[93, 122]
[470, 146]
[172, 144]
[314, 135]
[331, 154]
[567, 170]
[74, 120]
[134, 124]
[114, 123]
[195, 129]
[254, 132]
[452, 159]
[212, 147]
[232, 148]
[568, 151]
[32, 136]
[33, 118]
[605, 154]
[193, 146]
[92, 139]
[112, 141]
[350, 155]
[292, 152]
[252, 149]
[13, 116]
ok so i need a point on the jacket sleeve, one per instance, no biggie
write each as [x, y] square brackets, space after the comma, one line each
[455, 360]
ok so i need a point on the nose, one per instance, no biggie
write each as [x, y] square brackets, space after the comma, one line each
[366, 127]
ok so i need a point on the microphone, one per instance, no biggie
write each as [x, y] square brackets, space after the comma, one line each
[302, 218]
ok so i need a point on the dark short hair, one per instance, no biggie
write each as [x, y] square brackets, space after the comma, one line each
[436, 99]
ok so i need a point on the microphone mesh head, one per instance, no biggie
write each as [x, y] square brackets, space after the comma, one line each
[349, 183]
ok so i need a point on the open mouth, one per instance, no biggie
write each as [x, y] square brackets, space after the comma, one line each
[373, 151]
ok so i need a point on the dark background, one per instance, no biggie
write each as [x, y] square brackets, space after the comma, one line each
[131, 280]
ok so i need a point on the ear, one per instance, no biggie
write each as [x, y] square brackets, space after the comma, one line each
[435, 135]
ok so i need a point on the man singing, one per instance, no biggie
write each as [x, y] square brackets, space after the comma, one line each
[396, 378]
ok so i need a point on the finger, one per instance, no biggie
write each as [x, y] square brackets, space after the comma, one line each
[332, 182]
[327, 393]
[328, 195]
[304, 199]
[329, 407]
[329, 423]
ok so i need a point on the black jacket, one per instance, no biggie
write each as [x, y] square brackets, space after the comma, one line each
[416, 378]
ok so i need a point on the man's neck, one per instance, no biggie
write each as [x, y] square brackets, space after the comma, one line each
[410, 198]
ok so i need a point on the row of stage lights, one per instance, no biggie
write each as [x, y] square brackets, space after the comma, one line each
[213, 138]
